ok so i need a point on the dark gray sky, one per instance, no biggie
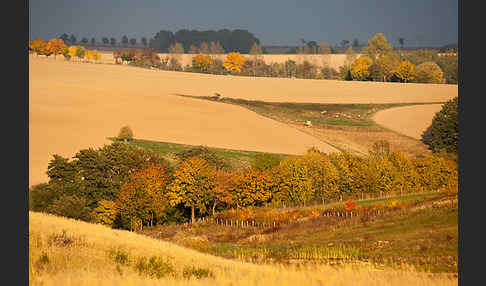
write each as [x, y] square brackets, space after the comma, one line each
[274, 22]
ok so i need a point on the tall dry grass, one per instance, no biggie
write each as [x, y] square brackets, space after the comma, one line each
[69, 252]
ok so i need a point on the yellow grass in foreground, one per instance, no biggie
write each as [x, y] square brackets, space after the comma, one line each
[87, 262]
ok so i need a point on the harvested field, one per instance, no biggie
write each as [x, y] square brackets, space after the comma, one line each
[409, 120]
[74, 106]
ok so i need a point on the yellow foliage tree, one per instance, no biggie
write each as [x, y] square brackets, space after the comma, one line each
[105, 213]
[360, 68]
[72, 51]
[234, 62]
[96, 56]
[405, 71]
[253, 188]
[202, 63]
[324, 175]
[193, 181]
[296, 182]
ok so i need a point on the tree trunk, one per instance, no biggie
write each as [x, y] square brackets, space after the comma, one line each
[193, 217]
[214, 207]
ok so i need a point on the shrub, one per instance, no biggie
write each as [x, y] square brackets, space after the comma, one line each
[125, 133]
[429, 72]
[349, 205]
[191, 271]
[155, 267]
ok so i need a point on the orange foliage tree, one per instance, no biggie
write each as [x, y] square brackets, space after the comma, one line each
[202, 63]
[143, 198]
[234, 62]
[37, 45]
[56, 46]
[193, 181]
[222, 191]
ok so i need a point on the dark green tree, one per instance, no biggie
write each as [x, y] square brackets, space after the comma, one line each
[442, 134]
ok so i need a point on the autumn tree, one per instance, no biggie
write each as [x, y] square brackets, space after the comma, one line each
[350, 56]
[324, 175]
[95, 55]
[37, 45]
[296, 183]
[377, 47]
[436, 172]
[106, 213]
[360, 68]
[143, 197]
[202, 63]
[429, 72]
[253, 188]
[405, 72]
[56, 46]
[382, 174]
[80, 52]
[406, 176]
[384, 67]
[72, 51]
[191, 186]
[256, 55]
[345, 184]
[125, 133]
[221, 194]
[234, 62]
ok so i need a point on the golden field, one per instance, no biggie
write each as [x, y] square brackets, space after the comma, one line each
[75, 105]
[85, 257]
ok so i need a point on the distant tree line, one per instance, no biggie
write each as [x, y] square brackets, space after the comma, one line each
[237, 40]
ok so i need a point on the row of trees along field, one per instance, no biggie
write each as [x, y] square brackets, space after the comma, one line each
[237, 40]
[128, 187]
[378, 62]
[58, 47]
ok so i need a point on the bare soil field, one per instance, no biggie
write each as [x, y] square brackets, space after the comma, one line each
[409, 120]
[73, 106]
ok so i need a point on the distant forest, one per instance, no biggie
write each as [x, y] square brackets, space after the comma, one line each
[231, 40]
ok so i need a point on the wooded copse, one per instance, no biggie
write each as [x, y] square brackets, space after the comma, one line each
[127, 187]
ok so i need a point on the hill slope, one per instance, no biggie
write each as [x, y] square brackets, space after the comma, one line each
[69, 252]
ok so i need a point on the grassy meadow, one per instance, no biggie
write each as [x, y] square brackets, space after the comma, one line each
[69, 252]
[423, 235]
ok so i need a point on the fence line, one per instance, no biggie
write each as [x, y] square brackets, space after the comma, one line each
[344, 215]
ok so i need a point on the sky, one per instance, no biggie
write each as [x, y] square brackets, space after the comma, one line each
[273, 22]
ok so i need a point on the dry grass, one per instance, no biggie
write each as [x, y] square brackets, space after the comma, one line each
[87, 261]
[359, 140]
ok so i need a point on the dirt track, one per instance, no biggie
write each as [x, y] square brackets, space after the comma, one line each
[74, 106]
[409, 120]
